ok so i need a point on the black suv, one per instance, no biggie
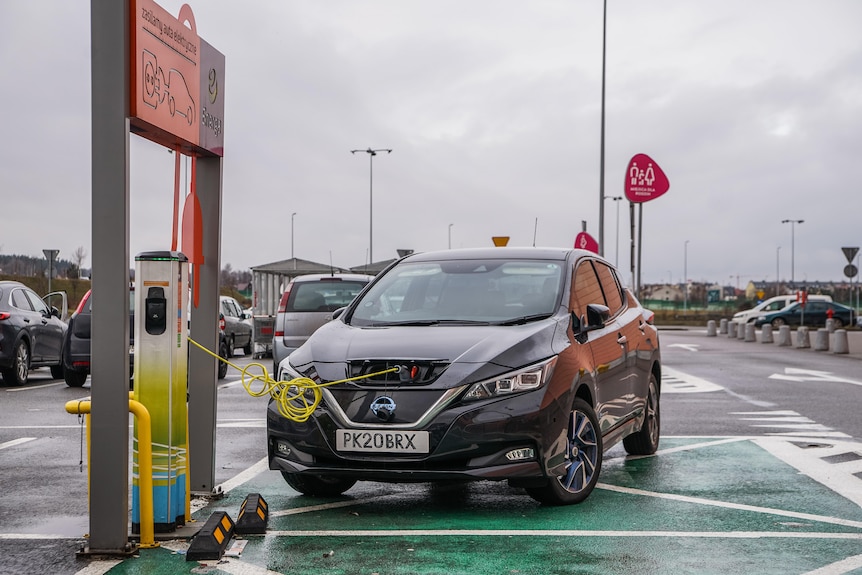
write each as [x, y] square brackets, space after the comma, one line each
[76, 351]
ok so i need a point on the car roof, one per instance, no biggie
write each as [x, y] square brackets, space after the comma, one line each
[536, 253]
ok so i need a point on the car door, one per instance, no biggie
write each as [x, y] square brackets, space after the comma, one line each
[610, 368]
[46, 331]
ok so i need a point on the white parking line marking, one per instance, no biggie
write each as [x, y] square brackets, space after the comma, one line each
[839, 567]
[796, 374]
[674, 381]
[32, 387]
[728, 505]
[686, 346]
[810, 462]
[99, 567]
[564, 533]
[15, 442]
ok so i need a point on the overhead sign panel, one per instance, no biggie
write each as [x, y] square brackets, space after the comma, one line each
[170, 64]
[645, 180]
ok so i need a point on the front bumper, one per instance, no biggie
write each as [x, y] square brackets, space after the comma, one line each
[466, 441]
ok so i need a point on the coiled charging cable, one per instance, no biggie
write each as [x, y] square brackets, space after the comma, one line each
[291, 397]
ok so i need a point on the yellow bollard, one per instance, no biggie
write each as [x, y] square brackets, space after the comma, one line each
[145, 464]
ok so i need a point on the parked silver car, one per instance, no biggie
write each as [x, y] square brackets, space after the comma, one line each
[237, 328]
[306, 304]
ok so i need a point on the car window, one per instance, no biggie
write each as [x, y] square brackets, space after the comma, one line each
[20, 300]
[610, 287]
[816, 306]
[229, 308]
[462, 291]
[37, 303]
[322, 295]
[775, 306]
[587, 289]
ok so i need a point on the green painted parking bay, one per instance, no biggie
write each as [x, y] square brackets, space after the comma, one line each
[701, 505]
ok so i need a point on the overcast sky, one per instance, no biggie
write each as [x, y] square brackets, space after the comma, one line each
[753, 109]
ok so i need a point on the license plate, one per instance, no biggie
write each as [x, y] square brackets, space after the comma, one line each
[381, 441]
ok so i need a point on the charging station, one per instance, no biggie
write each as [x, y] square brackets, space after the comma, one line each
[161, 380]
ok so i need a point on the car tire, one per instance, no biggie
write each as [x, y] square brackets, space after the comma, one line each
[74, 378]
[778, 322]
[584, 457]
[231, 346]
[57, 371]
[318, 486]
[247, 349]
[837, 323]
[222, 365]
[18, 373]
[645, 441]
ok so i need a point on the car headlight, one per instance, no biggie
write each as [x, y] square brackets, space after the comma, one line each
[519, 381]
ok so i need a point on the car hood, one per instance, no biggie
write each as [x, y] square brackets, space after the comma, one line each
[471, 352]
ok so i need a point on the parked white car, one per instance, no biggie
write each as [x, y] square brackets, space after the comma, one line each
[772, 304]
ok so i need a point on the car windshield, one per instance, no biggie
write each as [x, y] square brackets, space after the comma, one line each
[465, 292]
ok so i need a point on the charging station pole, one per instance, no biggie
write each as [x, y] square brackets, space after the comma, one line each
[160, 380]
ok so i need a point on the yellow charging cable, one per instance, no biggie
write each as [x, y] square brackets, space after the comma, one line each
[290, 396]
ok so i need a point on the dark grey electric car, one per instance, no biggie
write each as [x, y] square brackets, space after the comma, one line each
[518, 364]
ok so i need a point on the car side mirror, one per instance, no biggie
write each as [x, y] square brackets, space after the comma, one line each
[597, 316]
[594, 319]
[338, 312]
[55, 312]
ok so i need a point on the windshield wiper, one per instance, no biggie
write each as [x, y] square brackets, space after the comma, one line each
[525, 319]
[426, 322]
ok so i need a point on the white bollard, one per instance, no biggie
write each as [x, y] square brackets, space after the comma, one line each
[821, 340]
[784, 336]
[710, 328]
[731, 329]
[766, 333]
[839, 341]
[740, 331]
[722, 326]
[802, 339]
[749, 332]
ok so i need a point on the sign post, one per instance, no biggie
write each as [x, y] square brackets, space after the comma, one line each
[645, 181]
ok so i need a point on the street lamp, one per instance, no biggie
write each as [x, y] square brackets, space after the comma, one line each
[450, 235]
[617, 199]
[685, 275]
[371, 153]
[293, 215]
[777, 276]
[792, 248]
[602, 141]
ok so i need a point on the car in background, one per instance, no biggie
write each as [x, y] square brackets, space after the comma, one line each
[236, 325]
[77, 346]
[814, 313]
[31, 332]
[306, 304]
[776, 303]
[517, 364]
[76, 350]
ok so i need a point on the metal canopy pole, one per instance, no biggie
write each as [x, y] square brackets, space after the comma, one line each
[109, 454]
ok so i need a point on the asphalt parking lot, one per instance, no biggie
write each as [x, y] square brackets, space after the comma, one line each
[744, 482]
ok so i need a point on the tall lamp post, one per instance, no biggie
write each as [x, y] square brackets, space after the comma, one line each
[777, 275]
[685, 275]
[293, 215]
[602, 141]
[50, 255]
[450, 235]
[371, 153]
[616, 200]
[792, 249]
